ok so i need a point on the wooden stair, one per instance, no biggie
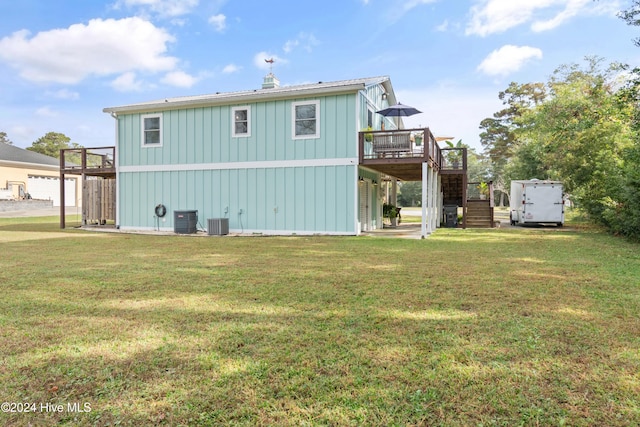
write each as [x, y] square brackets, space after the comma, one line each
[479, 214]
[452, 186]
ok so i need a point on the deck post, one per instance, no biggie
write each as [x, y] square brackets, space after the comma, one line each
[436, 199]
[439, 199]
[394, 191]
[62, 201]
[431, 200]
[425, 190]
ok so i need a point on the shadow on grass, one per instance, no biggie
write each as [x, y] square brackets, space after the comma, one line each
[497, 328]
[226, 362]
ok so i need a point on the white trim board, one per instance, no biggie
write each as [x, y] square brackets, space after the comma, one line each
[273, 164]
[236, 232]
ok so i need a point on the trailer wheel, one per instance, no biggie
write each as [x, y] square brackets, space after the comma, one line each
[560, 224]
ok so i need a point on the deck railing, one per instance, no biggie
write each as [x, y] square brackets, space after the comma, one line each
[454, 159]
[409, 144]
[87, 160]
[480, 191]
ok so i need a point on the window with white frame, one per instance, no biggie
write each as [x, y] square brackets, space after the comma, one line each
[152, 130]
[305, 119]
[241, 122]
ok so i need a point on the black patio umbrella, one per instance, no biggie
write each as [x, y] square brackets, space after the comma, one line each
[399, 110]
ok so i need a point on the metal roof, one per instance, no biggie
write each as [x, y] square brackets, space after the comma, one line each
[10, 153]
[221, 98]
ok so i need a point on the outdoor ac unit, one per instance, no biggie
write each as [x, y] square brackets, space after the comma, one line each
[185, 222]
[218, 226]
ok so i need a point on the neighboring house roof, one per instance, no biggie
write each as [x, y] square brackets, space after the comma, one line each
[221, 98]
[12, 154]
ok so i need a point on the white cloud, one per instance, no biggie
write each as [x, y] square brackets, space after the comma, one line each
[46, 112]
[102, 47]
[260, 57]
[219, 22]
[127, 83]
[399, 9]
[573, 8]
[63, 94]
[179, 79]
[23, 133]
[496, 16]
[508, 59]
[231, 68]
[290, 45]
[443, 27]
[306, 40]
[163, 8]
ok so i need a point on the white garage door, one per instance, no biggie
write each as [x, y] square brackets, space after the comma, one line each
[48, 188]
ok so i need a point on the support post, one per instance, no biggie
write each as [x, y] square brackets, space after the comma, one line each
[434, 181]
[424, 201]
[394, 191]
[430, 199]
[440, 201]
[62, 202]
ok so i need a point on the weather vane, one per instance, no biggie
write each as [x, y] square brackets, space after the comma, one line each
[270, 61]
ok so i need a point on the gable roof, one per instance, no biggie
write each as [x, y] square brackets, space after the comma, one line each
[12, 154]
[283, 92]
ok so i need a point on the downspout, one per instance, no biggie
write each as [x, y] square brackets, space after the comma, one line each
[115, 161]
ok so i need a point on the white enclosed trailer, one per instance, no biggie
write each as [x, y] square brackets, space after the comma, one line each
[536, 202]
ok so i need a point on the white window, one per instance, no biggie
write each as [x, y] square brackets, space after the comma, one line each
[305, 121]
[241, 122]
[152, 130]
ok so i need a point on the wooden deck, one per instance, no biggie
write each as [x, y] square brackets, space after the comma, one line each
[401, 153]
[96, 162]
[99, 161]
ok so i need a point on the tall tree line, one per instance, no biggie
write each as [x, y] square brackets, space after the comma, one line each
[49, 144]
[581, 127]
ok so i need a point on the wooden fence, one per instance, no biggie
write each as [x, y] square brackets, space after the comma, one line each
[98, 201]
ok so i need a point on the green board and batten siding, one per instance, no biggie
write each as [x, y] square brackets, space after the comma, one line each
[294, 199]
[281, 185]
[203, 135]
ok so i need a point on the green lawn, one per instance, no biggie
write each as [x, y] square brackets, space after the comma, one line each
[468, 327]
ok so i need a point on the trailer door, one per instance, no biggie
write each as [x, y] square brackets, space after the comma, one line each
[543, 203]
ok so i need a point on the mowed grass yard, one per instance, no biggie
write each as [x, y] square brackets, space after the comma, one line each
[504, 327]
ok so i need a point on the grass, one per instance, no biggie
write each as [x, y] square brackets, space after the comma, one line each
[468, 327]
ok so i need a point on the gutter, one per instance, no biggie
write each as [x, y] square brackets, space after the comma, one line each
[117, 167]
[228, 98]
[29, 165]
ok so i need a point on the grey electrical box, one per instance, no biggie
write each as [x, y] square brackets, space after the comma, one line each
[185, 222]
[218, 226]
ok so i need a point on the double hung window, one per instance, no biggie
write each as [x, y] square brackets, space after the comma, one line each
[241, 122]
[305, 120]
[152, 130]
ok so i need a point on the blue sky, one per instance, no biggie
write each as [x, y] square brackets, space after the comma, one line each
[62, 62]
